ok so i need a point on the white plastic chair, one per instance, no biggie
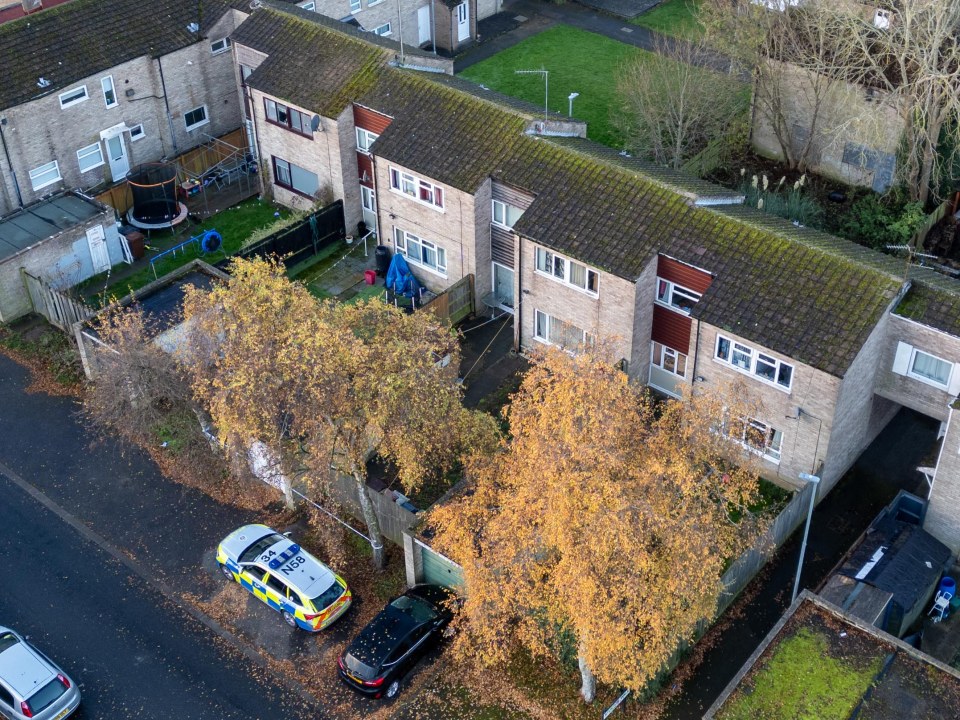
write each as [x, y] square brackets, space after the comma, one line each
[940, 605]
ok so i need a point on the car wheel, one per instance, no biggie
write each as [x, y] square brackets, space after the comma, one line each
[226, 572]
[393, 689]
[289, 619]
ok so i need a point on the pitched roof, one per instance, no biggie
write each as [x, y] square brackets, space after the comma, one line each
[936, 307]
[73, 41]
[798, 292]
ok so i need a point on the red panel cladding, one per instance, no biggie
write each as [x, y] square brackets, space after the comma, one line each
[671, 329]
[688, 277]
[365, 169]
[370, 119]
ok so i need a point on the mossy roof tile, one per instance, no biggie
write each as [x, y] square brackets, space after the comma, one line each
[933, 306]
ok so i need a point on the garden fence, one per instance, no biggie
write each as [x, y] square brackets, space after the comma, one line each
[301, 241]
[455, 303]
[57, 307]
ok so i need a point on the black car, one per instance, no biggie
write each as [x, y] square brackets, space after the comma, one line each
[377, 659]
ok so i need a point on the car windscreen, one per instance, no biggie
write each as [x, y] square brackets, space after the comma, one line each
[260, 546]
[328, 596]
[417, 609]
[358, 668]
[46, 696]
[7, 640]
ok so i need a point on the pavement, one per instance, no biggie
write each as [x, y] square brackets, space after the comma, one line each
[540, 15]
[887, 466]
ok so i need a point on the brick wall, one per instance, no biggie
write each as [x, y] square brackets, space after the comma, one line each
[454, 228]
[644, 293]
[941, 520]
[805, 438]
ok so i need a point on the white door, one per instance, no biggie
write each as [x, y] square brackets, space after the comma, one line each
[463, 21]
[423, 25]
[368, 200]
[98, 249]
[117, 155]
[503, 286]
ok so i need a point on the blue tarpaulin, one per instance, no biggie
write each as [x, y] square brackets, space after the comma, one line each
[400, 280]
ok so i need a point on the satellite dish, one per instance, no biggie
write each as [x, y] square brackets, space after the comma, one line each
[315, 123]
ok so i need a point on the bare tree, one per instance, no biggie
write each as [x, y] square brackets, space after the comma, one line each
[672, 109]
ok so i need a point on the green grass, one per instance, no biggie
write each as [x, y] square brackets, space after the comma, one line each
[578, 61]
[234, 224]
[672, 17]
[803, 679]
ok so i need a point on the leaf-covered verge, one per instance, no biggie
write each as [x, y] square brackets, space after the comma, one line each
[49, 355]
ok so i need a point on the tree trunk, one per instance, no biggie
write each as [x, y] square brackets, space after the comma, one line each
[588, 683]
[287, 492]
[373, 522]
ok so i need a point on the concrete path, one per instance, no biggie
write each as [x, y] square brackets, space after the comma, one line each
[540, 15]
[886, 467]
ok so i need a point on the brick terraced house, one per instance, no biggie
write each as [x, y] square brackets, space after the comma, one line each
[579, 243]
[92, 88]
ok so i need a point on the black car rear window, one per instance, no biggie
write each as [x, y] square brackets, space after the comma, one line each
[358, 668]
[328, 596]
[46, 696]
[260, 546]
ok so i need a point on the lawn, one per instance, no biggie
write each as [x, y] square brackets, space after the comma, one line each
[578, 61]
[672, 17]
[235, 225]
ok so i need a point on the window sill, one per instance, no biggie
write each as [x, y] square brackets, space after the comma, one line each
[413, 198]
[46, 184]
[753, 376]
[289, 129]
[928, 381]
[73, 102]
[582, 291]
[419, 265]
[92, 167]
[191, 128]
[674, 308]
[293, 190]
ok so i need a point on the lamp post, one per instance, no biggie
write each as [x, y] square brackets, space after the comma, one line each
[571, 97]
[807, 477]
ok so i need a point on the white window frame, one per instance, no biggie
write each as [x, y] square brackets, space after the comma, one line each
[74, 100]
[768, 452]
[224, 44]
[753, 357]
[671, 291]
[403, 241]
[356, 6]
[415, 188]
[923, 378]
[504, 209]
[89, 151]
[107, 86]
[561, 270]
[205, 121]
[657, 359]
[372, 3]
[44, 169]
[137, 136]
[385, 30]
[365, 139]
[549, 319]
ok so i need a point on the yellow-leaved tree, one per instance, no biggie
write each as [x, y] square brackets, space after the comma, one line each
[601, 526]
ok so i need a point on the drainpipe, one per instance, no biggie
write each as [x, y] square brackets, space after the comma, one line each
[433, 25]
[696, 354]
[400, 28]
[166, 103]
[6, 152]
[376, 199]
[518, 295]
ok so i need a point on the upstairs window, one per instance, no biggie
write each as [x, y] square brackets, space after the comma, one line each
[365, 139]
[505, 215]
[925, 366]
[567, 271]
[676, 296]
[109, 91]
[422, 190]
[220, 46]
[753, 362]
[72, 97]
[195, 118]
[384, 30]
[279, 114]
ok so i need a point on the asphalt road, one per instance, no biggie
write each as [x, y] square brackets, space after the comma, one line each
[133, 654]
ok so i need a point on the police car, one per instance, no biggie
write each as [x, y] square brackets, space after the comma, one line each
[279, 572]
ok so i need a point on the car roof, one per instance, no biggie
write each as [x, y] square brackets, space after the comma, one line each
[23, 670]
[242, 538]
[310, 578]
[381, 636]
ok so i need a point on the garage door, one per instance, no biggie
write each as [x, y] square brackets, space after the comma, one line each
[438, 570]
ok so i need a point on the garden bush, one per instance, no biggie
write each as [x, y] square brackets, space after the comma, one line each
[878, 221]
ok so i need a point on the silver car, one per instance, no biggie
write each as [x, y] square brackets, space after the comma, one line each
[31, 685]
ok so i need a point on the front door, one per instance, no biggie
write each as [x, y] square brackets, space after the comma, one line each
[423, 25]
[503, 286]
[98, 249]
[463, 21]
[117, 155]
[368, 201]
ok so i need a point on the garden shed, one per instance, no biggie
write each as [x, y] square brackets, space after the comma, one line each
[61, 240]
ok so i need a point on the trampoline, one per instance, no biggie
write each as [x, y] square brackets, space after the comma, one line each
[155, 203]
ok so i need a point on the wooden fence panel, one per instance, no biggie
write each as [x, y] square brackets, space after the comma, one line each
[59, 309]
[455, 303]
